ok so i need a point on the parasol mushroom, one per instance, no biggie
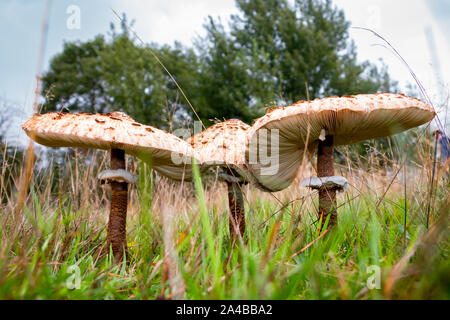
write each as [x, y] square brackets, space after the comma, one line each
[321, 125]
[120, 134]
[223, 145]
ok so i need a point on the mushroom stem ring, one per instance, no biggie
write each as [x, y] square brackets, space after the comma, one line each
[119, 175]
[337, 182]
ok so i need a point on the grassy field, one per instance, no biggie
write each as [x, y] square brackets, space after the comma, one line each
[179, 246]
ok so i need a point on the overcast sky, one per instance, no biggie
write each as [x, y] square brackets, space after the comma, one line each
[402, 22]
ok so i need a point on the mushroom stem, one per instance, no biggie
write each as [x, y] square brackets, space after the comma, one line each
[237, 213]
[117, 234]
[325, 168]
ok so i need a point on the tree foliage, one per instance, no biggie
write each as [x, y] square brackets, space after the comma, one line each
[104, 75]
[280, 52]
[274, 52]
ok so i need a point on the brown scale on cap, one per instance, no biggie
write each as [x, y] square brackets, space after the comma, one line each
[222, 143]
[110, 131]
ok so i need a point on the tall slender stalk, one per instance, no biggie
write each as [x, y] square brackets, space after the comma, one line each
[432, 181]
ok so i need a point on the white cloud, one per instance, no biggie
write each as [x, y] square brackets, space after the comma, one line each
[403, 24]
[167, 21]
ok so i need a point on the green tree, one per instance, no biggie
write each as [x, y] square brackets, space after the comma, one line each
[117, 73]
[280, 52]
[74, 80]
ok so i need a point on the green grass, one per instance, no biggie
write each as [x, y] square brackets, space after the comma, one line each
[37, 257]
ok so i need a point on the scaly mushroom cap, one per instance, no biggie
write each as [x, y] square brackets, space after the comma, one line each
[349, 119]
[223, 144]
[168, 154]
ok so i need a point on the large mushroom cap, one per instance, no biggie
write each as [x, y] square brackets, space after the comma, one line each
[168, 154]
[223, 144]
[349, 119]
